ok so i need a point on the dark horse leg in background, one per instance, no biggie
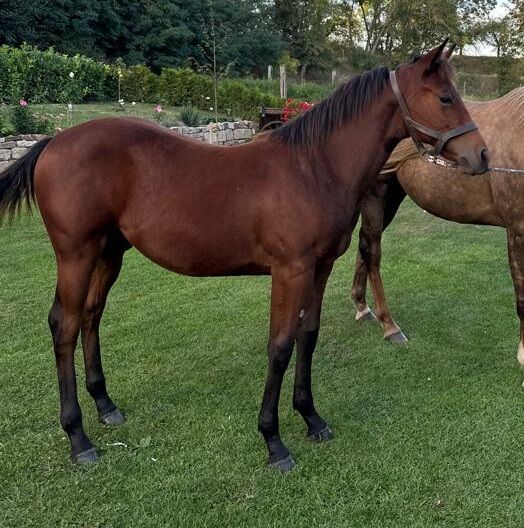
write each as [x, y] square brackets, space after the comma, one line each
[378, 209]
[104, 276]
[87, 267]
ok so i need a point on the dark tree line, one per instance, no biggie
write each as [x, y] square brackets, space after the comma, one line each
[244, 36]
[157, 33]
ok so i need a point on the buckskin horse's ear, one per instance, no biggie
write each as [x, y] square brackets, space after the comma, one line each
[430, 60]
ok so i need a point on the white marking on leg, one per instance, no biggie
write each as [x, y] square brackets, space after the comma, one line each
[362, 313]
[520, 354]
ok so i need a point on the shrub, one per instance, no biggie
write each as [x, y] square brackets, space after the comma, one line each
[184, 87]
[140, 84]
[190, 116]
[239, 99]
[23, 121]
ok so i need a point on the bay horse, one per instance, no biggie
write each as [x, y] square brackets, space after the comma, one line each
[284, 205]
[495, 198]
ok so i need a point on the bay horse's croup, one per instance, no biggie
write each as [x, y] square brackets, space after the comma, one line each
[284, 205]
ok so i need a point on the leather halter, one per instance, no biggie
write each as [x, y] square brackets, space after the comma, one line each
[441, 137]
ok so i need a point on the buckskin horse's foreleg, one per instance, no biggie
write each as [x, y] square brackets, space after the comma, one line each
[291, 293]
[74, 273]
[377, 210]
[516, 263]
[317, 428]
[104, 276]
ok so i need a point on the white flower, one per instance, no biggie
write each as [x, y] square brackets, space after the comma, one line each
[133, 103]
[208, 98]
[70, 107]
[211, 108]
[121, 102]
[71, 75]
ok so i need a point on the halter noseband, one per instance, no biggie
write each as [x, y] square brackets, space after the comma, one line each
[441, 137]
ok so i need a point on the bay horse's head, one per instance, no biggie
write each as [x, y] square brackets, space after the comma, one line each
[435, 113]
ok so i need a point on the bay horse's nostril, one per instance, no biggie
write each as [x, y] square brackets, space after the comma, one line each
[484, 156]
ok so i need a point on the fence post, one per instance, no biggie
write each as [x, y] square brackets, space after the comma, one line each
[333, 76]
[270, 72]
[283, 81]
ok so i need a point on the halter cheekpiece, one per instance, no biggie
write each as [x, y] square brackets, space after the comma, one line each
[441, 137]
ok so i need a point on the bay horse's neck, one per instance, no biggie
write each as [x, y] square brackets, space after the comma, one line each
[358, 150]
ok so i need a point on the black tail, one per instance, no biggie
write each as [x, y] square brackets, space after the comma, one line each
[16, 182]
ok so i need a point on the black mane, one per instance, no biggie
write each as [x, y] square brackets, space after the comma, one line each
[313, 128]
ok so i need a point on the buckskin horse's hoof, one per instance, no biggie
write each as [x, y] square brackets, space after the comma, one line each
[283, 465]
[323, 435]
[113, 418]
[398, 338]
[365, 316]
[85, 457]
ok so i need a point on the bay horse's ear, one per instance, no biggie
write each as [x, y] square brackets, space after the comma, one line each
[449, 52]
[430, 60]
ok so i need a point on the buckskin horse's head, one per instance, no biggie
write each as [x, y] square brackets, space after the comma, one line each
[434, 112]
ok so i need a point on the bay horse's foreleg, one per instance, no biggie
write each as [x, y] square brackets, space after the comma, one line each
[74, 274]
[516, 263]
[317, 429]
[104, 276]
[290, 294]
[377, 211]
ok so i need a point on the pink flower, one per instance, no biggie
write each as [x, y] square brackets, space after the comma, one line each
[23, 102]
[158, 109]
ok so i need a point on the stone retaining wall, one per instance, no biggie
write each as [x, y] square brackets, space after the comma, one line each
[14, 147]
[233, 133]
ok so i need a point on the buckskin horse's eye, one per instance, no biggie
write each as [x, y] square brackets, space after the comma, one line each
[446, 99]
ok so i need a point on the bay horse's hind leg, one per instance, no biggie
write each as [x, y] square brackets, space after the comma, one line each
[516, 262]
[104, 276]
[317, 429]
[75, 268]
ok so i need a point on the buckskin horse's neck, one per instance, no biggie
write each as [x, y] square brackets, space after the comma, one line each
[358, 150]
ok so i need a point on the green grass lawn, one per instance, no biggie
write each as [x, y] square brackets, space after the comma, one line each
[428, 435]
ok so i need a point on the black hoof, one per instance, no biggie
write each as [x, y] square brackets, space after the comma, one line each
[398, 338]
[85, 457]
[113, 418]
[321, 436]
[367, 317]
[284, 465]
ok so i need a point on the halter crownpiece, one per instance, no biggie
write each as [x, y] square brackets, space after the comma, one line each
[441, 137]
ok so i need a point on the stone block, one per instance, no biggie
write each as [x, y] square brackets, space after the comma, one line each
[24, 143]
[5, 154]
[17, 153]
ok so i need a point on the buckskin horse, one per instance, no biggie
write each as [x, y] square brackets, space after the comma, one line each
[494, 198]
[284, 205]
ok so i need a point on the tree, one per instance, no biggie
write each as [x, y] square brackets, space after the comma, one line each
[306, 26]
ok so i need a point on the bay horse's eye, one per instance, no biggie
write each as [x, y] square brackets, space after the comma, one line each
[446, 99]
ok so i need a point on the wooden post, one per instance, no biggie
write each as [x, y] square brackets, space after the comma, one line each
[283, 81]
[270, 72]
[333, 76]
